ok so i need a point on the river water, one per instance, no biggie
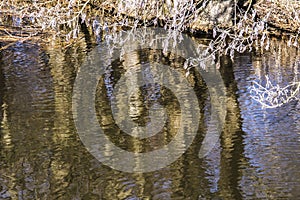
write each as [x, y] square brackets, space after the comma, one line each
[257, 155]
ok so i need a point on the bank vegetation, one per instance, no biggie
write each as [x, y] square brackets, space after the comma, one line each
[235, 25]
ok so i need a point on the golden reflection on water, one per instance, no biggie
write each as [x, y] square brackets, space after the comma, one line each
[42, 157]
[5, 129]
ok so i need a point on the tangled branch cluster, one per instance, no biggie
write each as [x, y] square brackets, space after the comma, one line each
[19, 18]
[246, 33]
[272, 95]
[64, 17]
[105, 17]
[253, 28]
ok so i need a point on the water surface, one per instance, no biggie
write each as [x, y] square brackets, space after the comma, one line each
[42, 157]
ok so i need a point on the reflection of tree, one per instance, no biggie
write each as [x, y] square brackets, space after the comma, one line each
[2, 86]
[38, 152]
[68, 156]
[42, 156]
[180, 179]
[136, 103]
[27, 110]
[231, 138]
[194, 183]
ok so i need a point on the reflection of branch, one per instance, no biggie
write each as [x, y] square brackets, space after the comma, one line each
[273, 96]
[16, 39]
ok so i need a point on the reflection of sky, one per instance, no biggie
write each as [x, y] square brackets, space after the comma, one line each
[272, 135]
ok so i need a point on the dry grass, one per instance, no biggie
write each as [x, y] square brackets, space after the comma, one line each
[105, 18]
[284, 14]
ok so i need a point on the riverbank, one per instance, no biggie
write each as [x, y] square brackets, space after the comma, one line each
[20, 19]
[233, 25]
